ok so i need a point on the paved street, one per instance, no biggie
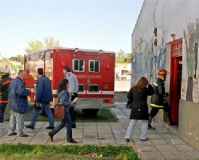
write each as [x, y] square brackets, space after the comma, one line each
[162, 143]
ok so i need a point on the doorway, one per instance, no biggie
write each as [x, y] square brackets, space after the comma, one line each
[175, 78]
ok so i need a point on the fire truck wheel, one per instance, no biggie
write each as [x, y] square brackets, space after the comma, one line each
[90, 112]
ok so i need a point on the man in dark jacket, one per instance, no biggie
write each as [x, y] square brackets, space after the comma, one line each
[43, 99]
[18, 104]
[4, 86]
[158, 99]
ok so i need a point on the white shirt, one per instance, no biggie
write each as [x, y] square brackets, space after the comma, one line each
[73, 83]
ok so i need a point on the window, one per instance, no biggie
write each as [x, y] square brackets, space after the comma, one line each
[94, 66]
[78, 65]
[93, 88]
[81, 87]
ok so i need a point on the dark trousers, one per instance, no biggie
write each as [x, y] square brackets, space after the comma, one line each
[2, 111]
[67, 122]
[154, 110]
[72, 110]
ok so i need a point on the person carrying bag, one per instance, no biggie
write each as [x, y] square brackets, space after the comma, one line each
[63, 96]
[139, 109]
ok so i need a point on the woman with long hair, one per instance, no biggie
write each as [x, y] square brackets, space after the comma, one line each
[63, 97]
[139, 110]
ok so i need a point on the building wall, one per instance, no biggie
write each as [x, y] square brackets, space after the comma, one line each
[188, 126]
[178, 17]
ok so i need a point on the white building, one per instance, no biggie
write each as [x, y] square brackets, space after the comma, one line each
[166, 36]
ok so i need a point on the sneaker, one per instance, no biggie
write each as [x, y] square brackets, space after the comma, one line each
[50, 136]
[150, 127]
[12, 134]
[50, 127]
[29, 126]
[24, 135]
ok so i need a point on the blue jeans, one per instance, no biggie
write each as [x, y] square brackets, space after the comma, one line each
[16, 122]
[67, 122]
[48, 112]
[2, 110]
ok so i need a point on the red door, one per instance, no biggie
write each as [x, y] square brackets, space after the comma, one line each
[176, 78]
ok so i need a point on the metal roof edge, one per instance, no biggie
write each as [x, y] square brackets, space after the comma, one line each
[79, 49]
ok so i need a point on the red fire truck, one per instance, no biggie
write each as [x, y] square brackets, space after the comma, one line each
[93, 68]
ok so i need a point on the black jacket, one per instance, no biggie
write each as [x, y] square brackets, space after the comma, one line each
[4, 86]
[139, 108]
[157, 99]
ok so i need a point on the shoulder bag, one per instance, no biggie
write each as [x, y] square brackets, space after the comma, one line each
[59, 111]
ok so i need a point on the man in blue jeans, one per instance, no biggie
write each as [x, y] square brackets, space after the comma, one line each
[43, 99]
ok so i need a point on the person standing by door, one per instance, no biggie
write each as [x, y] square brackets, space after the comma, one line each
[158, 99]
[73, 90]
[4, 86]
[139, 110]
[43, 99]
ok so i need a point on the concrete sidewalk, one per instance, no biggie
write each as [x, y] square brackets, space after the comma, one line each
[162, 143]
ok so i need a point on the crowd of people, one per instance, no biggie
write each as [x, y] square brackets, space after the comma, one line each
[14, 94]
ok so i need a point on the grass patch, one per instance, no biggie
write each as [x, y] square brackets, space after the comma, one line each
[104, 115]
[70, 152]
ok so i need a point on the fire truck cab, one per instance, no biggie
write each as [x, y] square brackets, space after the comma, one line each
[94, 70]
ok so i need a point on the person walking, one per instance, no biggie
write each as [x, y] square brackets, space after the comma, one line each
[158, 99]
[63, 97]
[4, 86]
[139, 110]
[43, 99]
[18, 104]
[73, 90]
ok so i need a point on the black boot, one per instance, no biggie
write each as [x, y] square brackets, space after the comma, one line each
[170, 119]
[149, 124]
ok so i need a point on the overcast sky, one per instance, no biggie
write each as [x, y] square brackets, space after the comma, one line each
[88, 24]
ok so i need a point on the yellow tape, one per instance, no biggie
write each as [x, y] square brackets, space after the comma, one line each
[155, 105]
[155, 84]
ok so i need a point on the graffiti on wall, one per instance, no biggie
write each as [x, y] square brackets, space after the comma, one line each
[191, 78]
[147, 60]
